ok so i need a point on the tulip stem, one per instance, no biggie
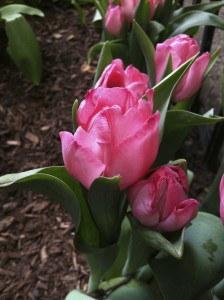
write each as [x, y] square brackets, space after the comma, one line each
[93, 283]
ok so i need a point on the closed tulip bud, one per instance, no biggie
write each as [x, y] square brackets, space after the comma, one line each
[114, 19]
[181, 48]
[160, 201]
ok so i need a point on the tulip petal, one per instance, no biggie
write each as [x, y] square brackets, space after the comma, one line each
[99, 98]
[180, 216]
[114, 19]
[161, 58]
[80, 156]
[113, 75]
[132, 158]
[221, 190]
[192, 80]
[141, 205]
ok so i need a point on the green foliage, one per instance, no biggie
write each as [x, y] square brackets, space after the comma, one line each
[23, 47]
[202, 265]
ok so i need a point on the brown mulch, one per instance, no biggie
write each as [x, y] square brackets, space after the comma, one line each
[37, 257]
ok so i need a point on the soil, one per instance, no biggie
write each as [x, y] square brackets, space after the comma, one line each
[38, 260]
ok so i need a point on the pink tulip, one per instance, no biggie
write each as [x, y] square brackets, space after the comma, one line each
[114, 75]
[181, 48]
[114, 19]
[153, 5]
[117, 140]
[221, 190]
[160, 201]
[128, 8]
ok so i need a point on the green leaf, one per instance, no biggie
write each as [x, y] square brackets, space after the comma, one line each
[163, 90]
[78, 295]
[212, 61]
[82, 18]
[219, 289]
[87, 235]
[191, 19]
[211, 203]
[24, 48]
[177, 125]
[118, 49]
[13, 11]
[166, 12]
[129, 291]
[99, 262]
[138, 253]
[108, 206]
[202, 265]
[154, 30]
[42, 181]
[104, 60]
[116, 269]
[74, 114]
[147, 50]
[141, 17]
[157, 241]
[212, 7]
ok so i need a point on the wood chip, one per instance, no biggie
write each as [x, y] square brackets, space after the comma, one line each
[6, 223]
[6, 273]
[32, 138]
[43, 254]
[13, 143]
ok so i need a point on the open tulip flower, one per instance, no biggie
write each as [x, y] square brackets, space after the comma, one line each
[181, 48]
[101, 144]
[131, 78]
[160, 201]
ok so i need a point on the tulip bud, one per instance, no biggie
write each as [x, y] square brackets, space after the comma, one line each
[181, 48]
[160, 201]
[114, 19]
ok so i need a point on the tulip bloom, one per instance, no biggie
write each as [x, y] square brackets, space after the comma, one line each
[114, 75]
[153, 4]
[128, 8]
[125, 11]
[119, 139]
[160, 201]
[181, 48]
[221, 190]
[114, 19]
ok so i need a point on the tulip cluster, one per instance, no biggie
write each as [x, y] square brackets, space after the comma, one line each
[116, 15]
[118, 135]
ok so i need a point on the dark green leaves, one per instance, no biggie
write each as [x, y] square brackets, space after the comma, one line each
[22, 44]
[177, 125]
[202, 265]
[108, 206]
